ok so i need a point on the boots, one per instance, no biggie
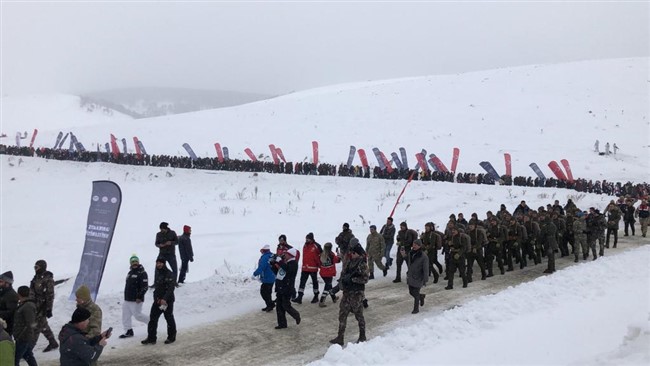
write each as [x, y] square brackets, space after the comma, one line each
[371, 276]
[386, 270]
[422, 296]
[416, 307]
[321, 304]
[334, 298]
[127, 334]
[52, 346]
[298, 299]
[338, 340]
[315, 299]
[362, 336]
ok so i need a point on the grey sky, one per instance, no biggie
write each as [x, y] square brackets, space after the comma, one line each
[279, 47]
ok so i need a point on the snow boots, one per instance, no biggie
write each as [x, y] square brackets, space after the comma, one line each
[127, 334]
[298, 299]
[315, 299]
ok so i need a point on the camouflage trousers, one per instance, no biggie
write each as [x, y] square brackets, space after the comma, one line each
[644, 221]
[352, 302]
[43, 327]
[374, 258]
[580, 245]
[591, 243]
[601, 242]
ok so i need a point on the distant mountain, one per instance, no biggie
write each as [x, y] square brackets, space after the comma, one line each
[153, 102]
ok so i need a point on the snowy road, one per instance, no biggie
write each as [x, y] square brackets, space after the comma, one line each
[251, 339]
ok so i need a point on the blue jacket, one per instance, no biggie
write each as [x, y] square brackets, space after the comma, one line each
[264, 269]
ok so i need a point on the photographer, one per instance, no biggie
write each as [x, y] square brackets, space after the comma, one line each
[76, 349]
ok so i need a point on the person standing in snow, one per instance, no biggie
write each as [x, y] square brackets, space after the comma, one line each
[328, 260]
[388, 232]
[42, 291]
[628, 216]
[375, 249]
[25, 331]
[405, 238]
[137, 284]
[166, 240]
[613, 218]
[163, 303]
[85, 301]
[615, 148]
[431, 242]
[285, 279]
[548, 236]
[418, 274]
[185, 249]
[267, 277]
[343, 241]
[310, 263]
[8, 300]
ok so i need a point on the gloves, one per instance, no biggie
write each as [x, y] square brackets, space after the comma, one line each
[48, 314]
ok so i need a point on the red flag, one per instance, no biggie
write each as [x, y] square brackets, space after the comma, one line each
[314, 148]
[454, 159]
[274, 154]
[389, 168]
[363, 157]
[508, 164]
[31, 144]
[280, 154]
[421, 161]
[217, 146]
[556, 170]
[567, 167]
[115, 150]
[402, 192]
[250, 154]
[439, 164]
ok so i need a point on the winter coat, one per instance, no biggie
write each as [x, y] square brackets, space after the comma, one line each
[41, 289]
[283, 248]
[137, 284]
[185, 247]
[311, 256]
[164, 285]
[548, 234]
[285, 279]
[496, 233]
[532, 229]
[95, 324]
[458, 244]
[516, 233]
[478, 239]
[76, 349]
[375, 245]
[431, 241]
[643, 211]
[8, 305]
[580, 227]
[162, 238]
[7, 348]
[388, 232]
[354, 275]
[25, 322]
[418, 268]
[405, 238]
[328, 267]
[613, 218]
[343, 240]
[628, 216]
[264, 268]
[521, 210]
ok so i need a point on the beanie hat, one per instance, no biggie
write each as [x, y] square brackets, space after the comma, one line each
[79, 315]
[403, 223]
[354, 242]
[373, 227]
[266, 248]
[292, 252]
[164, 225]
[42, 263]
[161, 259]
[310, 236]
[417, 242]
[359, 250]
[8, 277]
[346, 225]
[134, 258]
[186, 229]
[83, 293]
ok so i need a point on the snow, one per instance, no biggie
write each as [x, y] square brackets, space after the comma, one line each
[605, 303]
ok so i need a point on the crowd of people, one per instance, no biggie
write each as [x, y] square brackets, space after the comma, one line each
[635, 190]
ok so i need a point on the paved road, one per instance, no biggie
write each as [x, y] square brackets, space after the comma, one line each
[251, 339]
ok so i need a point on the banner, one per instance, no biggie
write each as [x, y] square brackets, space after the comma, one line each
[114, 148]
[226, 153]
[280, 154]
[104, 208]
[58, 139]
[389, 168]
[80, 147]
[144, 151]
[124, 145]
[380, 161]
[274, 154]
[217, 146]
[454, 159]
[108, 149]
[190, 151]
[18, 139]
[138, 150]
[405, 162]
[73, 142]
[421, 162]
[537, 171]
[398, 163]
[438, 163]
[567, 167]
[364, 158]
[314, 148]
[508, 164]
[417, 164]
[63, 140]
[250, 154]
[555, 168]
[31, 144]
[490, 169]
[351, 156]
[432, 163]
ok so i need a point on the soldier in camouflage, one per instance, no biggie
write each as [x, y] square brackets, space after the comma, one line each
[458, 244]
[614, 217]
[515, 235]
[431, 242]
[496, 236]
[580, 236]
[529, 245]
[548, 235]
[41, 289]
[478, 239]
[375, 246]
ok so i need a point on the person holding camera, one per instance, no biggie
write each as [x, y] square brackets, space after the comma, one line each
[163, 303]
[76, 348]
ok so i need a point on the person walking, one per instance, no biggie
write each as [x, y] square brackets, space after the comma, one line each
[76, 348]
[354, 277]
[432, 242]
[163, 303]
[41, 289]
[166, 241]
[266, 276]
[25, 332]
[286, 268]
[375, 249]
[405, 238]
[328, 260]
[137, 284]
[613, 218]
[85, 301]
[417, 274]
[388, 232]
[187, 254]
[310, 263]
[643, 213]
[8, 300]
[458, 246]
[628, 216]
[343, 241]
[548, 235]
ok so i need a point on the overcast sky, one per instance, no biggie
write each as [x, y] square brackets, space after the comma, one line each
[279, 47]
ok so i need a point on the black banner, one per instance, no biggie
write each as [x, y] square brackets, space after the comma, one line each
[102, 215]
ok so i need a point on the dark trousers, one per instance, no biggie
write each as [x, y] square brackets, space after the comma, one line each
[629, 224]
[185, 266]
[265, 291]
[400, 261]
[433, 264]
[512, 249]
[171, 259]
[492, 252]
[328, 285]
[456, 264]
[283, 306]
[478, 257]
[610, 232]
[550, 253]
[415, 293]
[169, 318]
[24, 351]
[303, 281]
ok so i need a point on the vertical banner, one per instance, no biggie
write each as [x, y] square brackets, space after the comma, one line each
[398, 163]
[104, 208]
[73, 142]
[124, 145]
[108, 148]
[417, 164]
[537, 171]
[250, 154]
[555, 168]
[363, 157]
[421, 162]
[490, 169]
[353, 150]
[405, 162]
[217, 146]
[63, 140]
[144, 151]
[138, 150]
[58, 139]
[189, 150]
[389, 168]
[432, 163]
[454, 160]
[567, 167]
[377, 153]
[31, 144]
[508, 164]
[226, 153]
[280, 154]
[314, 148]
[438, 163]
[114, 148]
[274, 154]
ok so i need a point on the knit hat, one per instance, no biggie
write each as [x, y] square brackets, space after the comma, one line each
[358, 249]
[354, 242]
[373, 227]
[161, 259]
[8, 277]
[186, 229]
[134, 258]
[42, 264]
[346, 225]
[79, 315]
[83, 293]
[310, 236]
[164, 225]
[282, 237]
[292, 252]
[266, 248]
[417, 242]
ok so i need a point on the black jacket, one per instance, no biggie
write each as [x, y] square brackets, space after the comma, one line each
[76, 349]
[25, 322]
[137, 284]
[161, 238]
[8, 305]
[164, 285]
[185, 247]
[285, 279]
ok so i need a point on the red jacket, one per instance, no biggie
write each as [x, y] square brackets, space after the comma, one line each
[311, 256]
[328, 268]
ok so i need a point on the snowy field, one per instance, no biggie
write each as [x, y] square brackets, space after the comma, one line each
[597, 313]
